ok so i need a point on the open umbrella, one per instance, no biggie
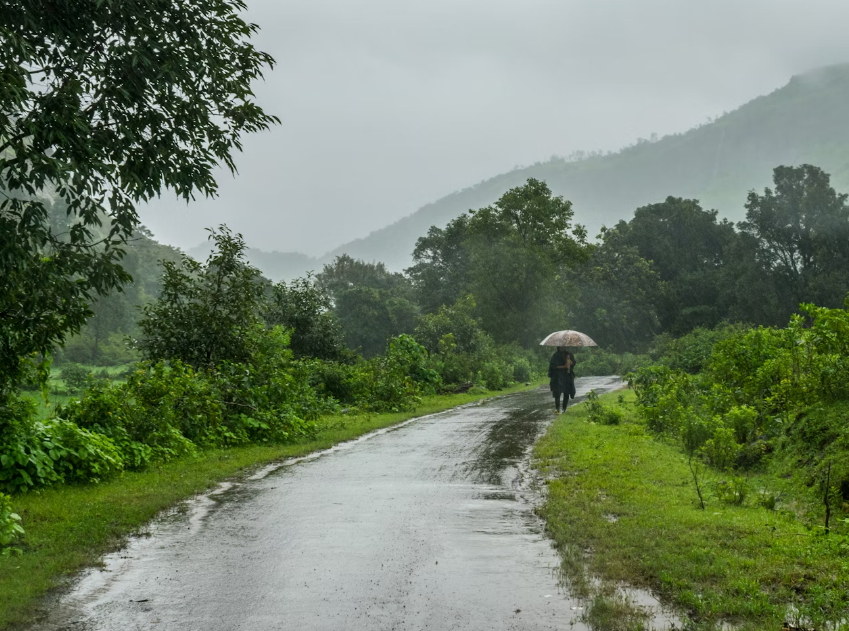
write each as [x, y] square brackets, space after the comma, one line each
[568, 338]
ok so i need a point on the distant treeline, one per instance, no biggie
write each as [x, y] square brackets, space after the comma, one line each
[521, 269]
[228, 358]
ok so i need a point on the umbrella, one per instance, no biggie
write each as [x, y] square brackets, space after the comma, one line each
[568, 338]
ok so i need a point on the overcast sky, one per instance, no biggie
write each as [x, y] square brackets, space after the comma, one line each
[387, 105]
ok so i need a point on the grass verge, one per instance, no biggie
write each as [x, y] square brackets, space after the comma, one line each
[622, 508]
[72, 527]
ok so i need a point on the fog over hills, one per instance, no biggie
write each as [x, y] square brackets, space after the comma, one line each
[806, 121]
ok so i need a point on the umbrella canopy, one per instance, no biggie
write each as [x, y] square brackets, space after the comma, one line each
[568, 338]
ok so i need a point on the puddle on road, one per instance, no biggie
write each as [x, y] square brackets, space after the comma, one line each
[503, 459]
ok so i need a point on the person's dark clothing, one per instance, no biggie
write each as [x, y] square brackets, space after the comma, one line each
[561, 380]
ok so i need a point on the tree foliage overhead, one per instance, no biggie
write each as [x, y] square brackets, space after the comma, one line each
[105, 104]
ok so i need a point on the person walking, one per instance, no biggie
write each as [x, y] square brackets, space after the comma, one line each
[561, 376]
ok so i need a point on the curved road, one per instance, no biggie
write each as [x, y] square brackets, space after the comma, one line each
[418, 527]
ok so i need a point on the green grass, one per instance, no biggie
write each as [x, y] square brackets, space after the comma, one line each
[622, 508]
[71, 527]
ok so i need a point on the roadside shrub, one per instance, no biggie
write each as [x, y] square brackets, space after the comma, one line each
[145, 416]
[495, 375]
[390, 382]
[600, 413]
[335, 381]
[103, 408]
[168, 409]
[55, 451]
[389, 389]
[10, 525]
[695, 432]
[721, 450]
[782, 393]
[666, 398]
[390, 386]
[743, 421]
[268, 400]
[734, 491]
[460, 351]
[24, 461]
[79, 455]
[406, 353]
[692, 351]
[171, 408]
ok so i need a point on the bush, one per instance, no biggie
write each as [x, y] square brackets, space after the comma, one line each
[394, 381]
[336, 381]
[721, 450]
[75, 377]
[78, 454]
[600, 413]
[761, 392]
[10, 526]
[460, 352]
[692, 351]
[495, 375]
[55, 451]
[24, 463]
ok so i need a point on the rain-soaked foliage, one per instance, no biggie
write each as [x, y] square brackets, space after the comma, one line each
[674, 294]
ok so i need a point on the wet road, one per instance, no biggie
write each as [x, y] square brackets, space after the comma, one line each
[423, 526]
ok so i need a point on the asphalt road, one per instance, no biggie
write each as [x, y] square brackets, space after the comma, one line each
[423, 526]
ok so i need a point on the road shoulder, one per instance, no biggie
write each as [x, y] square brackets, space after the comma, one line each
[621, 506]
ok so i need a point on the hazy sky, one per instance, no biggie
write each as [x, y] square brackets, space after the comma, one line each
[387, 105]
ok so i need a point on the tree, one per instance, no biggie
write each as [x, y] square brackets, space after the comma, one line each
[617, 295]
[372, 303]
[456, 321]
[802, 233]
[103, 105]
[440, 265]
[372, 316]
[687, 247]
[206, 313]
[304, 306]
[346, 273]
[509, 256]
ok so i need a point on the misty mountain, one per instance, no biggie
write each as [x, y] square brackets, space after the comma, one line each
[806, 121]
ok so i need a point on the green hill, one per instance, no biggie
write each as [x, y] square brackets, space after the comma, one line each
[806, 121]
